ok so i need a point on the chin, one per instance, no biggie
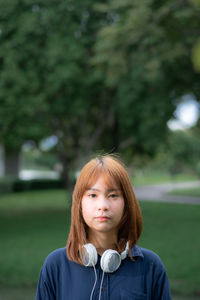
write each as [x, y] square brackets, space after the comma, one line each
[104, 229]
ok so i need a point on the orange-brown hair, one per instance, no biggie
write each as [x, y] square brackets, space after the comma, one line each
[131, 224]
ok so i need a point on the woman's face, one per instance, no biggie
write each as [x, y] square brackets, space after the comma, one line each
[103, 207]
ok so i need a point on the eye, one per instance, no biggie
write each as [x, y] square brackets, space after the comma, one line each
[92, 195]
[113, 195]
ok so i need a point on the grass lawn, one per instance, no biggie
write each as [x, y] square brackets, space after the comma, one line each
[172, 231]
[155, 177]
[187, 192]
[35, 223]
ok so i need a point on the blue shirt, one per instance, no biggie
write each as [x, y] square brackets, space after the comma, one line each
[142, 279]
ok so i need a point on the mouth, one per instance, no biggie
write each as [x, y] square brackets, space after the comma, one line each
[102, 218]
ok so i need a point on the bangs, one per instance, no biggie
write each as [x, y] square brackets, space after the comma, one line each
[109, 181]
[92, 171]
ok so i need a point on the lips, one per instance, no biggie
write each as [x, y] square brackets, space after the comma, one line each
[102, 218]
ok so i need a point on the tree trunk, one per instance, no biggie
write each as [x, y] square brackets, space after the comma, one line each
[115, 133]
[68, 175]
[2, 165]
[12, 162]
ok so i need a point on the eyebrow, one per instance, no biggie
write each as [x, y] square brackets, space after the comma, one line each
[108, 190]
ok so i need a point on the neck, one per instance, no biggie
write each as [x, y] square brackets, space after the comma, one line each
[102, 241]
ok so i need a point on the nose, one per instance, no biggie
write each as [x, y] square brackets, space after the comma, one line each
[103, 204]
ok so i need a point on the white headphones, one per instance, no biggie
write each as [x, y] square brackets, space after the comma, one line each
[110, 260]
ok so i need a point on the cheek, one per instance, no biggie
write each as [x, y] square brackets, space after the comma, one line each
[85, 207]
[121, 208]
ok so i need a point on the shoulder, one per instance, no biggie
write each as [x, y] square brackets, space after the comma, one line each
[52, 269]
[151, 255]
[148, 256]
[55, 260]
[57, 255]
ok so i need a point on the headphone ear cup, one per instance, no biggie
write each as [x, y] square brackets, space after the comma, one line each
[110, 261]
[89, 255]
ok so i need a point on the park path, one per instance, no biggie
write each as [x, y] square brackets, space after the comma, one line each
[158, 192]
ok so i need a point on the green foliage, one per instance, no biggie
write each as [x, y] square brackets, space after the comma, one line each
[184, 151]
[148, 36]
[144, 54]
[177, 157]
[38, 160]
[96, 75]
[47, 84]
[176, 160]
[196, 56]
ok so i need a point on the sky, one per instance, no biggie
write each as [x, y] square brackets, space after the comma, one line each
[186, 114]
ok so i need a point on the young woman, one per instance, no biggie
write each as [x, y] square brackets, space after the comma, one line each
[102, 260]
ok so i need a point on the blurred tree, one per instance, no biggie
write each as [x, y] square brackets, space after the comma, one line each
[97, 76]
[145, 56]
[47, 84]
[196, 48]
[182, 152]
[21, 86]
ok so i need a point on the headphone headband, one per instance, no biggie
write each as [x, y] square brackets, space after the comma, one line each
[125, 252]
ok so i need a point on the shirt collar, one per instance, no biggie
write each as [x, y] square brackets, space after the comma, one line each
[137, 252]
